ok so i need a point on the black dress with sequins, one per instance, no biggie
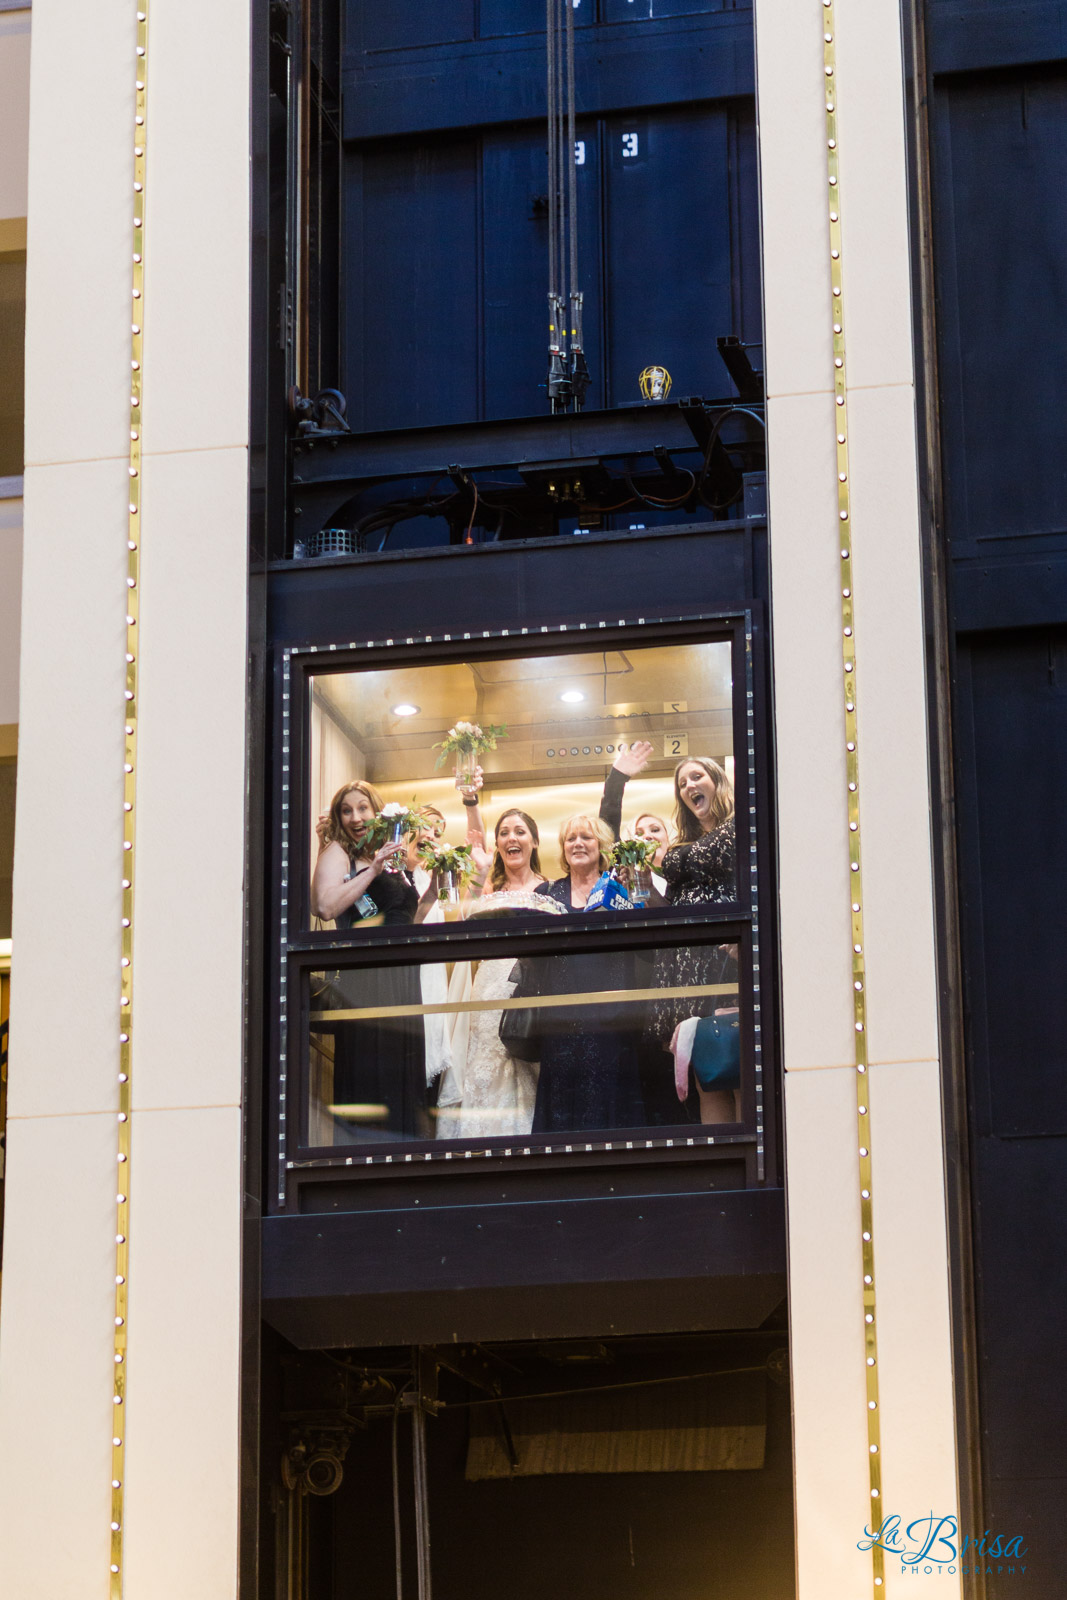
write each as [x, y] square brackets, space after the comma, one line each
[697, 874]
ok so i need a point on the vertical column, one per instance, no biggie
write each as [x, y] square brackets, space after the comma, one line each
[163, 1521]
[184, 1244]
[872, 1382]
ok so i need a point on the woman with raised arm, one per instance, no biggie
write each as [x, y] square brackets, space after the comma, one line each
[627, 764]
[700, 869]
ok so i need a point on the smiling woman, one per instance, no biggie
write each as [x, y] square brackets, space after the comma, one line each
[564, 725]
[590, 1073]
[559, 757]
[700, 869]
[704, 797]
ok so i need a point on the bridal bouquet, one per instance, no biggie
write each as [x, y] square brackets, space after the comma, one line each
[453, 865]
[632, 860]
[634, 852]
[391, 824]
[467, 741]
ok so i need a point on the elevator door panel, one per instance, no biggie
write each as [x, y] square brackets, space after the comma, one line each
[448, 275]
[666, 249]
[413, 304]
[407, 24]
[1001, 237]
[506, 18]
[515, 267]
[1016, 901]
[1013, 891]
[445, 190]
[638, 10]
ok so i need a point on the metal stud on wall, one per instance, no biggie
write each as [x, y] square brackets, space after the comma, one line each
[129, 821]
[849, 666]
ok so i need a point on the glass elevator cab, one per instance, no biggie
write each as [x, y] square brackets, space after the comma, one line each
[521, 1174]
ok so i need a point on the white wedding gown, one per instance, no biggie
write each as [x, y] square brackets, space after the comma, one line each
[498, 1091]
[486, 1090]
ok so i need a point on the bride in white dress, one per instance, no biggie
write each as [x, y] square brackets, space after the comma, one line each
[489, 1091]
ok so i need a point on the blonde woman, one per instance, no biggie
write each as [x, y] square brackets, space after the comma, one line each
[585, 845]
[589, 1075]
[627, 764]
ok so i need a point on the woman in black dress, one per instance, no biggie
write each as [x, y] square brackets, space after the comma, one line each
[589, 1067]
[700, 869]
[379, 1062]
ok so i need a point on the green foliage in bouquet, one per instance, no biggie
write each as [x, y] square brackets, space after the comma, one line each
[634, 852]
[469, 738]
[456, 859]
[380, 828]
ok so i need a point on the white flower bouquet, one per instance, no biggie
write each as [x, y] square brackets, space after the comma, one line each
[392, 823]
[467, 741]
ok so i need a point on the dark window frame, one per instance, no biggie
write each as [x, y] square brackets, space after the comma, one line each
[297, 949]
[609, 936]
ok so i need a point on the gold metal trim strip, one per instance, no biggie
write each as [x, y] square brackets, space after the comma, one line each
[129, 814]
[535, 1003]
[852, 774]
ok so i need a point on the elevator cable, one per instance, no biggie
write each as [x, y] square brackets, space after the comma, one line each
[568, 374]
[397, 1533]
[422, 1498]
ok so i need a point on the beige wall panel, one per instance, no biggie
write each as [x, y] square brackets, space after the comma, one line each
[196, 261]
[79, 229]
[895, 806]
[185, 1287]
[56, 1411]
[334, 760]
[68, 836]
[874, 208]
[809, 729]
[191, 830]
[826, 1331]
[10, 607]
[832, 1484]
[915, 1342]
[795, 268]
[14, 111]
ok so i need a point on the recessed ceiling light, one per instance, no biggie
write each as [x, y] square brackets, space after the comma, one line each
[572, 697]
[405, 710]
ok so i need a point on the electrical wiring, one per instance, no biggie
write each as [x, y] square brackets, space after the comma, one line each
[657, 504]
[727, 411]
[468, 537]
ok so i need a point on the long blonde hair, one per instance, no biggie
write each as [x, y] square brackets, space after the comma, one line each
[721, 809]
[334, 832]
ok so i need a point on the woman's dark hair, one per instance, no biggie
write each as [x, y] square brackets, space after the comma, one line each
[498, 877]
